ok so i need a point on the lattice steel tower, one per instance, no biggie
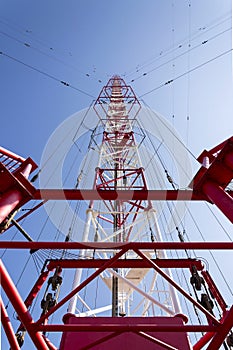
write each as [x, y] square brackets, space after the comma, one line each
[121, 242]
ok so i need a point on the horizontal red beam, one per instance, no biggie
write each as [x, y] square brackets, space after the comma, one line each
[118, 246]
[125, 263]
[111, 327]
[74, 194]
[12, 155]
[84, 283]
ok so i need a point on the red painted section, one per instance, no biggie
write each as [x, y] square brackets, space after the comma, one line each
[8, 202]
[219, 337]
[9, 154]
[50, 345]
[116, 106]
[125, 263]
[73, 194]
[108, 264]
[214, 290]
[15, 188]
[126, 246]
[8, 328]
[214, 152]
[118, 333]
[203, 341]
[151, 334]
[210, 183]
[178, 287]
[119, 328]
[102, 103]
[20, 308]
[125, 334]
[220, 198]
[36, 288]
[229, 160]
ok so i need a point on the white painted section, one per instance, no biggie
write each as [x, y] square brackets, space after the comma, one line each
[78, 272]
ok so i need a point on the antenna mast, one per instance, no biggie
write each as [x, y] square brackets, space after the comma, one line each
[120, 168]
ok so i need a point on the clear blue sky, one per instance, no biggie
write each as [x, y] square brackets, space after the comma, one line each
[85, 42]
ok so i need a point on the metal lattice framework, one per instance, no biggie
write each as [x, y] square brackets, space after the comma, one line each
[122, 259]
[120, 169]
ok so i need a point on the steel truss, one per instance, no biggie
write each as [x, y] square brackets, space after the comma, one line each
[216, 329]
[121, 187]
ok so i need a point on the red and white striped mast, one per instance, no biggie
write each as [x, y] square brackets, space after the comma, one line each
[119, 219]
[120, 168]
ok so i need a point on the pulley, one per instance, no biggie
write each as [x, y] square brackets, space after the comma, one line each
[47, 303]
[195, 279]
[55, 281]
[207, 303]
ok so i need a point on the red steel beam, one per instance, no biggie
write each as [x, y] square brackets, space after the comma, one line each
[12, 155]
[36, 288]
[16, 189]
[116, 246]
[21, 309]
[203, 341]
[8, 328]
[214, 290]
[125, 263]
[111, 327]
[75, 194]
[220, 198]
[229, 160]
[178, 287]
[50, 345]
[220, 336]
[81, 286]
[218, 148]
[9, 200]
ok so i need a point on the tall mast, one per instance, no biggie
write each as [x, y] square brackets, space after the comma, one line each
[120, 168]
[121, 243]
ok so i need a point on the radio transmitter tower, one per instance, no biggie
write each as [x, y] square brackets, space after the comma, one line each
[129, 263]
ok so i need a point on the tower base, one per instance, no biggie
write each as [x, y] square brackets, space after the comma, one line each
[137, 333]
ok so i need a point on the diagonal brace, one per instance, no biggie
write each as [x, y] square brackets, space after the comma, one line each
[82, 285]
[180, 289]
